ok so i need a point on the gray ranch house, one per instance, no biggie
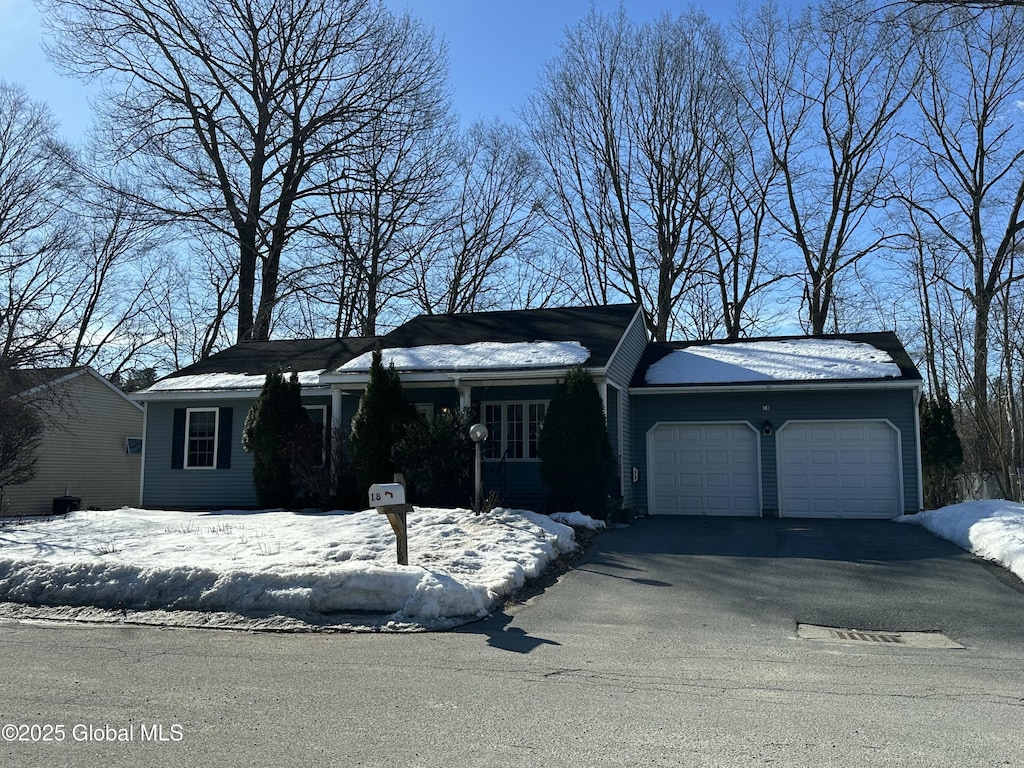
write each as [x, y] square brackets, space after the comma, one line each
[791, 426]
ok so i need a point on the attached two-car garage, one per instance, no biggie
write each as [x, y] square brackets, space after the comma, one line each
[822, 426]
[841, 468]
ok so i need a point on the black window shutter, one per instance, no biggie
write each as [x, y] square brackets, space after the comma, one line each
[224, 439]
[178, 439]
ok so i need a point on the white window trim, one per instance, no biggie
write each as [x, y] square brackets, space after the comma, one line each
[216, 437]
[503, 404]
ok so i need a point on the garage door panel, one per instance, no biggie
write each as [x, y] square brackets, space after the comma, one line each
[711, 469]
[840, 469]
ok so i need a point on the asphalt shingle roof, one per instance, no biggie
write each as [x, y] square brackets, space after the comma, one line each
[599, 329]
[260, 357]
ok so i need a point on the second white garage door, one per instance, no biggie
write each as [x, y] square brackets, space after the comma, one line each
[839, 469]
[704, 469]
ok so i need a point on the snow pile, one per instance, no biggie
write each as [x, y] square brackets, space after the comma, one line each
[202, 381]
[481, 355]
[265, 564]
[782, 360]
[578, 520]
[993, 530]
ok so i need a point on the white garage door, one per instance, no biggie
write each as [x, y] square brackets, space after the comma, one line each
[839, 469]
[703, 469]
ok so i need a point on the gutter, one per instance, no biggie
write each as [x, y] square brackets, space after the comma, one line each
[676, 389]
[215, 394]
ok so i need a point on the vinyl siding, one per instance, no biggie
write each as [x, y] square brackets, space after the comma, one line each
[895, 405]
[620, 372]
[82, 451]
[169, 488]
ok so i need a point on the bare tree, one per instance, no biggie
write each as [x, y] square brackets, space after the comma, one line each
[235, 112]
[968, 207]
[736, 212]
[621, 119]
[382, 200]
[37, 176]
[827, 88]
[971, 156]
[20, 433]
[489, 227]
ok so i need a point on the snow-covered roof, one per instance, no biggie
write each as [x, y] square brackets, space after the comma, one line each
[484, 355]
[227, 381]
[804, 359]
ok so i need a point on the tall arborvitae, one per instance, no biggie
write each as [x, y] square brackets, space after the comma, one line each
[576, 460]
[380, 422]
[941, 452]
[271, 427]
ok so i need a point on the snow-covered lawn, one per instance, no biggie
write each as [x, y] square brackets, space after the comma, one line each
[993, 530]
[290, 571]
[274, 569]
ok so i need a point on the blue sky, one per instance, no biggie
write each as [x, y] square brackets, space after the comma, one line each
[496, 49]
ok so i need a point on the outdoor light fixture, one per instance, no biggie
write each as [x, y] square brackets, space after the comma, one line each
[477, 433]
[767, 428]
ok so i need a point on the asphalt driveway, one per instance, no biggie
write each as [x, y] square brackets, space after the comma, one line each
[702, 576]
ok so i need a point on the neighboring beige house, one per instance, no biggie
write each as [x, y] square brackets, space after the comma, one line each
[91, 443]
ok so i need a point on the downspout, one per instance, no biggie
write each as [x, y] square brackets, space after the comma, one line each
[916, 431]
[142, 467]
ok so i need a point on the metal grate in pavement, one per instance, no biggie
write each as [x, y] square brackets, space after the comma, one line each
[874, 637]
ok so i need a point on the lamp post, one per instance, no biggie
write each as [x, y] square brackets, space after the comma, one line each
[477, 433]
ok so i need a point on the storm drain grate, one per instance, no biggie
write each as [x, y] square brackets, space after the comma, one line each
[874, 637]
[866, 637]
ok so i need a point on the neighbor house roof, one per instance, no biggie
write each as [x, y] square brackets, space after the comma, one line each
[26, 382]
[808, 360]
[18, 380]
[504, 340]
[245, 365]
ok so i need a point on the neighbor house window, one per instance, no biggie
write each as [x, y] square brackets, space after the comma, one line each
[201, 438]
[513, 429]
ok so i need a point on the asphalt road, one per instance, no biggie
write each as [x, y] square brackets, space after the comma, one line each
[672, 644]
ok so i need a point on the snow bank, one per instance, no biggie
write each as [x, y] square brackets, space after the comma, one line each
[993, 530]
[578, 520]
[272, 563]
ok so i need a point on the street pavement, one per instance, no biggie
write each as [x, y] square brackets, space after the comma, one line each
[672, 643]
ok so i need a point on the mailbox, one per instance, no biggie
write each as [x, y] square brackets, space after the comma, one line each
[386, 494]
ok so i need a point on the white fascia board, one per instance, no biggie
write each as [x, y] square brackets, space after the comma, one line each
[455, 378]
[776, 385]
[216, 394]
[638, 317]
[115, 389]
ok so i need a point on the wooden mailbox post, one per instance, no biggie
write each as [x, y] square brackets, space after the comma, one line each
[389, 499]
